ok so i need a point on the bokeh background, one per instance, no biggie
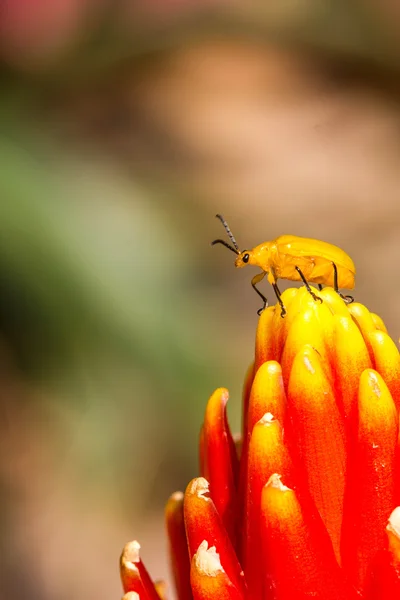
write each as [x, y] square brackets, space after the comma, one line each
[124, 127]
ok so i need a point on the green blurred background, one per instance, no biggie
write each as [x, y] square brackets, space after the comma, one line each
[124, 127]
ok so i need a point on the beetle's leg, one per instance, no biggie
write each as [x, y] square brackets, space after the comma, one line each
[256, 279]
[320, 287]
[347, 299]
[309, 290]
[279, 296]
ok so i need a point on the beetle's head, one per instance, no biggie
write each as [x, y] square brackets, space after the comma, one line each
[244, 258]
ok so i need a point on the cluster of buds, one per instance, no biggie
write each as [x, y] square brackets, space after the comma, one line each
[303, 503]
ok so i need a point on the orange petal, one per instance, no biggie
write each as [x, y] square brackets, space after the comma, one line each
[272, 330]
[387, 362]
[299, 560]
[204, 523]
[365, 322]
[134, 575]
[384, 580]
[335, 303]
[267, 455]
[221, 460]
[265, 337]
[208, 578]
[378, 322]
[178, 548]
[369, 497]
[313, 326]
[317, 438]
[351, 358]
[267, 396]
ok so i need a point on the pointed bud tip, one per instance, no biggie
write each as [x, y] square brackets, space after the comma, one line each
[207, 560]
[131, 552]
[199, 487]
[275, 481]
[267, 419]
[131, 596]
[176, 496]
[394, 522]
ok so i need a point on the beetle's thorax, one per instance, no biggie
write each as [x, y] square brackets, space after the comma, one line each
[261, 256]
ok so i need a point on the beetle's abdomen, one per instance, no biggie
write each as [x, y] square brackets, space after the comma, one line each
[314, 258]
[315, 269]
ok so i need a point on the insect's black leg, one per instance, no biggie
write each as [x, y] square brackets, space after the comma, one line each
[256, 279]
[347, 299]
[320, 287]
[335, 279]
[309, 290]
[279, 296]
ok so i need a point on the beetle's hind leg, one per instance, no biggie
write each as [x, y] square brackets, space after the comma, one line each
[309, 290]
[279, 296]
[347, 299]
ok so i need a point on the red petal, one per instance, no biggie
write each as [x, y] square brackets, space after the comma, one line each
[369, 496]
[134, 575]
[178, 548]
[299, 560]
[208, 578]
[203, 523]
[267, 396]
[267, 455]
[317, 439]
[221, 461]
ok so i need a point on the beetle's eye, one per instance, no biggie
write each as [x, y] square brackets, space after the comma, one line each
[245, 258]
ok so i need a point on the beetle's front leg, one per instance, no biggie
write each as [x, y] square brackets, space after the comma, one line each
[256, 279]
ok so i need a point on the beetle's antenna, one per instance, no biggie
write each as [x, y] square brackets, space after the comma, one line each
[224, 243]
[229, 232]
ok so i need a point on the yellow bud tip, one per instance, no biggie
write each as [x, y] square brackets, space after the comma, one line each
[131, 552]
[394, 522]
[207, 560]
[199, 487]
[267, 419]
[177, 496]
[275, 482]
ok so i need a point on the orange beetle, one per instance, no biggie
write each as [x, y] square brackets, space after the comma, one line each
[297, 259]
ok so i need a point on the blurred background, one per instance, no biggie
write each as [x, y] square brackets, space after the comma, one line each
[124, 127]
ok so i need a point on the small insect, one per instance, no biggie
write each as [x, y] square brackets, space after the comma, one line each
[297, 259]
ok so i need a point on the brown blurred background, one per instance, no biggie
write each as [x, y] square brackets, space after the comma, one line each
[124, 127]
